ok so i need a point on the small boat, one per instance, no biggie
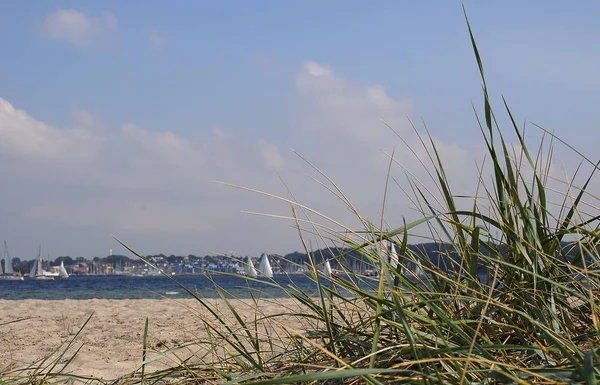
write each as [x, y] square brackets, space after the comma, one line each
[7, 272]
[62, 273]
[249, 268]
[37, 272]
[265, 266]
[392, 256]
[327, 269]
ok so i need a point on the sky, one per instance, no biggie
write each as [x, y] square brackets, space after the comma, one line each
[119, 118]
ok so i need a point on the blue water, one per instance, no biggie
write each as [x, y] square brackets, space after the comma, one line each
[153, 287]
[156, 287]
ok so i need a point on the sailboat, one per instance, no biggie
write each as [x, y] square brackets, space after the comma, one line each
[393, 260]
[249, 268]
[327, 269]
[392, 256]
[265, 266]
[37, 272]
[62, 273]
[7, 272]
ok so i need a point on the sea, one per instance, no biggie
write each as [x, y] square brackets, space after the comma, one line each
[153, 287]
[161, 287]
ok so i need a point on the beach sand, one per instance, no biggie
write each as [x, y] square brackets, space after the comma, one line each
[112, 340]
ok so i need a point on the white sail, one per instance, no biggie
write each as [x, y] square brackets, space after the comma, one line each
[33, 269]
[63, 272]
[392, 255]
[37, 271]
[249, 268]
[265, 266]
[40, 269]
[327, 269]
[8, 269]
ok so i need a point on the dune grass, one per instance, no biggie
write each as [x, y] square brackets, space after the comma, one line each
[513, 306]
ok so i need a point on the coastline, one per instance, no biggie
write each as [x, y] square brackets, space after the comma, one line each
[113, 338]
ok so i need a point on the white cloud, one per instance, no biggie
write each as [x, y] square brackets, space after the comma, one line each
[156, 40]
[21, 136]
[165, 145]
[78, 28]
[219, 133]
[271, 155]
[340, 107]
[315, 69]
[339, 129]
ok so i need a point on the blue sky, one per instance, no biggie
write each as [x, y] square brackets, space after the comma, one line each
[116, 116]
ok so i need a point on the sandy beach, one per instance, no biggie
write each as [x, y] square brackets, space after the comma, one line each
[112, 340]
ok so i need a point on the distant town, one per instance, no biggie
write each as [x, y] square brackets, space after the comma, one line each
[114, 264]
[438, 254]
